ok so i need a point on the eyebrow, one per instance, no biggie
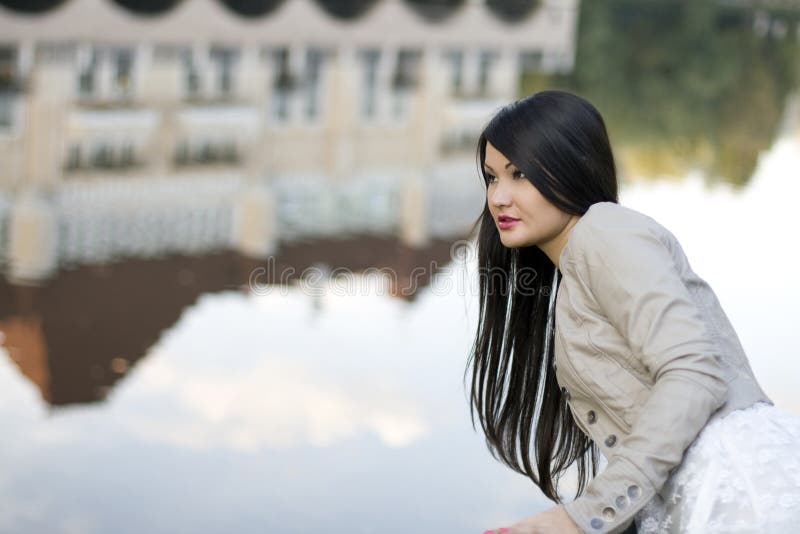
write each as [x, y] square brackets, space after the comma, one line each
[492, 170]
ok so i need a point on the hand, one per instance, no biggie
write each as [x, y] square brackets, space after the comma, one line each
[552, 521]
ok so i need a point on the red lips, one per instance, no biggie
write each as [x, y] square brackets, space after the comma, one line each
[504, 222]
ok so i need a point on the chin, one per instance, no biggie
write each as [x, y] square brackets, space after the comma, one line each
[517, 243]
[510, 242]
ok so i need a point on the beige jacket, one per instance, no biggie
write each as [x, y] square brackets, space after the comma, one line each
[645, 357]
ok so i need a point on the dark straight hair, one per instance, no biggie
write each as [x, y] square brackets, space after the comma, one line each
[560, 143]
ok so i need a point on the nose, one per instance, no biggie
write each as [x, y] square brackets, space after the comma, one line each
[500, 196]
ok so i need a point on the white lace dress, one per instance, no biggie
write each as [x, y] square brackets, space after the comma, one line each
[741, 475]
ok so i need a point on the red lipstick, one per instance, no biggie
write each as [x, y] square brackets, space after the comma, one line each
[505, 222]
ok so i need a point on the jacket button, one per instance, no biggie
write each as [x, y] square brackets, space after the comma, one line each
[591, 417]
[621, 501]
[610, 441]
[609, 513]
[565, 393]
[634, 491]
[596, 523]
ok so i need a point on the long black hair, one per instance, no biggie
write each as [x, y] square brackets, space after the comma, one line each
[560, 143]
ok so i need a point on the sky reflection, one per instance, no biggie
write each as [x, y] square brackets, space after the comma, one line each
[297, 412]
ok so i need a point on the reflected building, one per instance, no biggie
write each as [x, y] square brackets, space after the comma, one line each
[197, 139]
[76, 336]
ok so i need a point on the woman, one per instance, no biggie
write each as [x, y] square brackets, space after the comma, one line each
[596, 338]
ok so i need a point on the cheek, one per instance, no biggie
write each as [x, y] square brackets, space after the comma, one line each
[544, 216]
[530, 198]
[556, 220]
[535, 207]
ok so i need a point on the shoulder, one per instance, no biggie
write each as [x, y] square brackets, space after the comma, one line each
[622, 262]
[604, 219]
[610, 233]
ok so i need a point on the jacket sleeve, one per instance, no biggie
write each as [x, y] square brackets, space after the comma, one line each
[628, 274]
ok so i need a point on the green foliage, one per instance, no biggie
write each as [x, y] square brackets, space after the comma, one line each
[684, 84]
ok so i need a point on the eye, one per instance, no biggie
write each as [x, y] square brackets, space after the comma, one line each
[490, 178]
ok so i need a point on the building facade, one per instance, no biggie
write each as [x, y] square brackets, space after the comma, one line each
[103, 102]
[92, 89]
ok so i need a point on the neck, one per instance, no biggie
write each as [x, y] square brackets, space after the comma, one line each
[554, 247]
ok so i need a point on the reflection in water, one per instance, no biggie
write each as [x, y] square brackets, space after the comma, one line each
[268, 384]
[269, 413]
[76, 336]
[93, 323]
[694, 85]
[261, 413]
[24, 342]
[311, 410]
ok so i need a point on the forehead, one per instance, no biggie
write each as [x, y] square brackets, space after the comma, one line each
[494, 158]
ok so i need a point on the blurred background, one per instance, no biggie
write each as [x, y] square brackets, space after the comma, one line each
[238, 289]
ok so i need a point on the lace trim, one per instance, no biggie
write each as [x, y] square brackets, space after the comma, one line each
[741, 475]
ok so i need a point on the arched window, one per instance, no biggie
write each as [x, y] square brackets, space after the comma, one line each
[31, 6]
[512, 10]
[346, 9]
[435, 10]
[252, 8]
[147, 7]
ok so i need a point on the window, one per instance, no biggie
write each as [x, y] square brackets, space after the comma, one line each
[191, 76]
[283, 83]
[127, 155]
[455, 58]
[115, 154]
[181, 153]
[314, 62]
[6, 110]
[102, 156]
[228, 152]
[207, 152]
[530, 61]
[371, 60]
[87, 72]
[9, 77]
[122, 72]
[485, 61]
[404, 80]
[406, 74]
[190, 152]
[73, 160]
[224, 60]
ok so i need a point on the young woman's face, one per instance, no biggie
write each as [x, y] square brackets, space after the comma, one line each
[509, 193]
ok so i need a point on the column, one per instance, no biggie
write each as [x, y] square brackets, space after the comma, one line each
[32, 239]
[429, 114]
[45, 125]
[255, 222]
[343, 92]
[414, 211]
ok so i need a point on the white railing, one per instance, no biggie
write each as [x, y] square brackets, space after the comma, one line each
[98, 222]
